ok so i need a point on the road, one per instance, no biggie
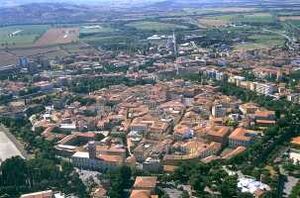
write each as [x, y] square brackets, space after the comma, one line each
[9, 146]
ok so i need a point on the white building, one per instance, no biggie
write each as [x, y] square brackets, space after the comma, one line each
[264, 88]
[250, 185]
[295, 97]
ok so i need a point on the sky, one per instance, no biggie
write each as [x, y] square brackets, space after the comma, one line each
[19, 2]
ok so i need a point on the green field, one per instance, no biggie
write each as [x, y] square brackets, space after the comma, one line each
[259, 41]
[258, 18]
[154, 26]
[24, 35]
[295, 22]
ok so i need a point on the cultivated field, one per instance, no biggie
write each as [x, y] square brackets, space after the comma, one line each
[20, 36]
[212, 22]
[260, 41]
[154, 26]
[95, 29]
[7, 58]
[55, 36]
[287, 18]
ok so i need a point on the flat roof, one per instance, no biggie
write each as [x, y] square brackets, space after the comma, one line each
[81, 155]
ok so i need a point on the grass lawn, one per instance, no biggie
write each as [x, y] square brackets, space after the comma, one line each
[18, 36]
[154, 26]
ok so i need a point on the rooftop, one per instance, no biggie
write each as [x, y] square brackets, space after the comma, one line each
[296, 141]
[240, 134]
[145, 182]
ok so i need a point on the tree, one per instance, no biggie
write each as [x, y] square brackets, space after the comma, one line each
[13, 172]
[120, 180]
[296, 191]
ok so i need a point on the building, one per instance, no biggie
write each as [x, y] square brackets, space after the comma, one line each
[264, 118]
[237, 80]
[248, 108]
[264, 88]
[295, 97]
[238, 150]
[250, 185]
[218, 111]
[219, 135]
[145, 183]
[144, 187]
[296, 142]
[142, 194]
[241, 137]
[97, 160]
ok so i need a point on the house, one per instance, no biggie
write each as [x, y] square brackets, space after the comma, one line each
[241, 137]
[248, 108]
[296, 142]
[219, 135]
[264, 118]
[144, 187]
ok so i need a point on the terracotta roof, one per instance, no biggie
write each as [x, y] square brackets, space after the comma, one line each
[296, 140]
[264, 113]
[221, 132]
[240, 134]
[234, 152]
[145, 182]
[169, 168]
[140, 194]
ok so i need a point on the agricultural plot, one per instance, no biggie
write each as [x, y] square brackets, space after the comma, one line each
[56, 36]
[212, 22]
[21, 36]
[259, 41]
[154, 26]
[95, 29]
[222, 20]
[288, 18]
[7, 58]
[256, 18]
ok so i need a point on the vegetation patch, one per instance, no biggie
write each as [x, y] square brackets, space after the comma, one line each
[154, 26]
[19, 36]
[259, 41]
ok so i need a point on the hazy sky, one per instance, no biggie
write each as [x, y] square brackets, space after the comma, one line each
[17, 2]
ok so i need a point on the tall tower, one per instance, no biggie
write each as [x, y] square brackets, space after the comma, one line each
[92, 149]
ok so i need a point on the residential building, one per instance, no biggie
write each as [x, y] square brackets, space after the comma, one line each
[241, 137]
[218, 111]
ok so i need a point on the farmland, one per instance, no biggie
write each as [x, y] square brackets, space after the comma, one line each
[21, 36]
[154, 26]
[259, 41]
[55, 36]
[95, 29]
